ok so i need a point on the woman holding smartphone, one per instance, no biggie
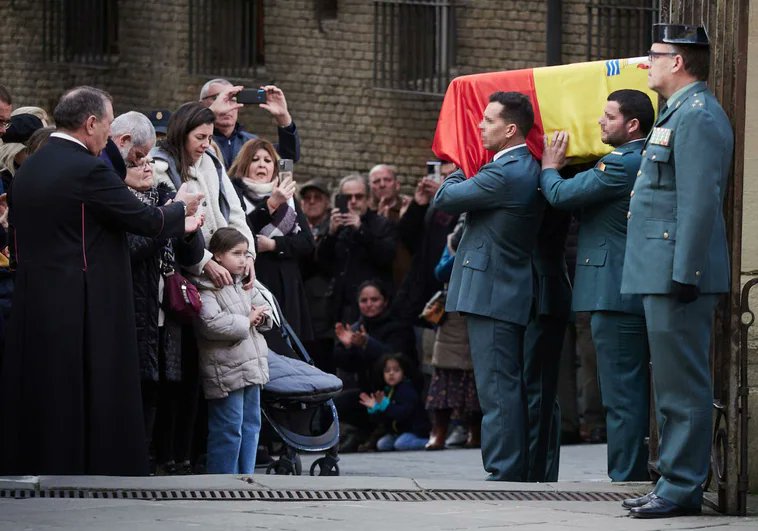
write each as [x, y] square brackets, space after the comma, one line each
[282, 233]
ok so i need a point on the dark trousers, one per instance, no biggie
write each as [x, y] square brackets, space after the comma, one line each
[497, 355]
[543, 343]
[680, 337]
[622, 359]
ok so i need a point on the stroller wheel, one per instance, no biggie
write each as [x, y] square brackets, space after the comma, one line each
[286, 466]
[327, 467]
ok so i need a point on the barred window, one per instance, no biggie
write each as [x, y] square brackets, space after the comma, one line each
[414, 45]
[226, 38]
[80, 31]
[620, 29]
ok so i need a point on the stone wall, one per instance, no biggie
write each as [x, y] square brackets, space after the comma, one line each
[325, 70]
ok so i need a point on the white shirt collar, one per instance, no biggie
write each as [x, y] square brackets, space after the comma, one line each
[506, 150]
[65, 136]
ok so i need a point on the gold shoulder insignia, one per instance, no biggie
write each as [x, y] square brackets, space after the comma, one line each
[616, 153]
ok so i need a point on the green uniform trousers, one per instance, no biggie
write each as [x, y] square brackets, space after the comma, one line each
[623, 370]
[680, 337]
[497, 356]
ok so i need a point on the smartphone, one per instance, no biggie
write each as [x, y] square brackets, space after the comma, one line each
[340, 201]
[251, 96]
[434, 170]
[285, 169]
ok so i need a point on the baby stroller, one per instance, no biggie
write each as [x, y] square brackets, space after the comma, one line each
[297, 401]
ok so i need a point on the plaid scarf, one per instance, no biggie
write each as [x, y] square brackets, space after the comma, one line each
[283, 220]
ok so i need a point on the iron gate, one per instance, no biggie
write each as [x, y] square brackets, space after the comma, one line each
[726, 22]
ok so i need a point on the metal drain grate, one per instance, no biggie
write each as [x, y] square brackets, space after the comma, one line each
[322, 495]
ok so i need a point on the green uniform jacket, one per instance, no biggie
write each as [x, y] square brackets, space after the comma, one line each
[676, 223]
[600, 196]
[492, 272]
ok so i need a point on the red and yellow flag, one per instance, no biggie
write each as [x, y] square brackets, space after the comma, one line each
[567, 97]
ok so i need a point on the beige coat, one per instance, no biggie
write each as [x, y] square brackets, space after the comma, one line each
[233, 354]
[451, 347]
[204, 178]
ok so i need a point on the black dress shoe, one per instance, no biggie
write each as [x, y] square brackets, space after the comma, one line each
[631, 503]
[660, 508]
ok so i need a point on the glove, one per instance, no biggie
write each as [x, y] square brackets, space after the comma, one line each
[685, 293]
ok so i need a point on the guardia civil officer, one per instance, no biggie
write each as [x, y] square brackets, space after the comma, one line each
[677, 259]
[492, 275]
[601, 198]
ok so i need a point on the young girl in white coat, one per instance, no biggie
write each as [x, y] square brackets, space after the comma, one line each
[233, 358]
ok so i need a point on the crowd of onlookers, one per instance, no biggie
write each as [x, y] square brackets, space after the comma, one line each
[357, 268]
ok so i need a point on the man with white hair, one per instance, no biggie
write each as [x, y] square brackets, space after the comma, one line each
[134, 136]
[229, 135]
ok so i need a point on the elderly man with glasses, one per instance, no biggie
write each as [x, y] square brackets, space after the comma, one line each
[229, 135]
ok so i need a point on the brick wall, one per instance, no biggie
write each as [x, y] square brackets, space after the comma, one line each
[324, 69]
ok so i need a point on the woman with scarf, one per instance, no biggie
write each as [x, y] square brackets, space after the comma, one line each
[282, 233]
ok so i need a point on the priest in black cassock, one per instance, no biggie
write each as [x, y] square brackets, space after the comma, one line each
[69, 381]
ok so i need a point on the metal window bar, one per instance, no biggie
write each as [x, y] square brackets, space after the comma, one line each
[620, 30]
[80, 31]
[226, 38]
[414, 45]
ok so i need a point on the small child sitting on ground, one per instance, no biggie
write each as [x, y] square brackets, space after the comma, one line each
[399, 407]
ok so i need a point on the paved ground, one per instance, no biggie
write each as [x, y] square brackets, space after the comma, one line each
[582, 470]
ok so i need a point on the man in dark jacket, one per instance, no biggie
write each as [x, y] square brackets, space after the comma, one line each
[69, 383]
[229, 135]
[360, 246]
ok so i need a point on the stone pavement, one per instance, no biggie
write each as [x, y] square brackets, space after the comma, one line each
[369, 494]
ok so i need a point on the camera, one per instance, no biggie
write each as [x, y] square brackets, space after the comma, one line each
[251, 96]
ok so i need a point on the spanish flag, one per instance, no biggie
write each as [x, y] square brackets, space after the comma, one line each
[567, 97]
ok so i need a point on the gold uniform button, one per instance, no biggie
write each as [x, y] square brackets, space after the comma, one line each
[697, 273]
[639, 172]
[653, 157]
[629, 215]
[466, 262]
[586, 260]
[631, 194]
[665, 235]
[643, 152]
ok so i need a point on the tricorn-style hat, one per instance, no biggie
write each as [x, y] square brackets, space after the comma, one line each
[680, 34]
[159, 120]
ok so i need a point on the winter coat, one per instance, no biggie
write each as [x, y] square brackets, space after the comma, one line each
[319, 285]
[386, 335]
[209, 177]
[233, 353]
[405, 412]
[451, 345]
[357, 255]
[423, 230]
[160, 355]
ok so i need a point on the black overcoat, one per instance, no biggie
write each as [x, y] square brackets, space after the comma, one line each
[69, 384]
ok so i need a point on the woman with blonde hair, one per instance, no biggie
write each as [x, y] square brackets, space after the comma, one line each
[283, 236]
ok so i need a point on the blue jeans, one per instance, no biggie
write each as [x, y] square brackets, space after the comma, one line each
[403, 442]
[234, 424]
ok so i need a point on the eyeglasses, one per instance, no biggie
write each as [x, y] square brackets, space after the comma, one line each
[142, 163]
[5, 124]
[357, 197]
[651, 55]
